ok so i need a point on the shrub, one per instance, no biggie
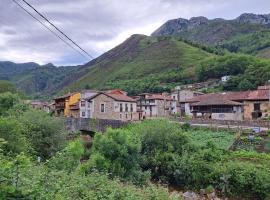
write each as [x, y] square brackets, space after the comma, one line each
[116, 153]
[45, 133]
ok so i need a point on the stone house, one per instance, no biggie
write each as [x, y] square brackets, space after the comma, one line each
[257, 104]
[179, 97]
[114, 106]
[42, 105]
[154, 105]
[248, 105]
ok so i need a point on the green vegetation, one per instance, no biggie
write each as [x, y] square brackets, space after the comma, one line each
[254, 43]
[246, 72]
[121, 163]
[143, 64]
[27, 134]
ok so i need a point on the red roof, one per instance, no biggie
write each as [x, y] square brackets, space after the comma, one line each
[116, 92]
[258, 95]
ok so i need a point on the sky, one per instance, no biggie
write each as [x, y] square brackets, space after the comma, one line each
[99, 25]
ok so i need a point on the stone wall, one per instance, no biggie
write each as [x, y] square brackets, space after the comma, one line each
[94, 125]
[110, 111]
[249, 108]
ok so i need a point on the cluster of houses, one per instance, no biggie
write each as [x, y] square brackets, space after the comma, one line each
[117, 105]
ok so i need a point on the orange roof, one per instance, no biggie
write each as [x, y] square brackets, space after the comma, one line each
[116, 91]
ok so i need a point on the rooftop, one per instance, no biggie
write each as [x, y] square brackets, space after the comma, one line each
[116, 97]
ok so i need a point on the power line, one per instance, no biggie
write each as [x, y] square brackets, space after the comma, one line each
[48, 28]
[57, 28]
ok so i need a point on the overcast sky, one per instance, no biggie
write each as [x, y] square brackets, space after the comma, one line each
[99, 25]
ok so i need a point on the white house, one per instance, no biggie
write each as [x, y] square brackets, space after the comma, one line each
[84, 105]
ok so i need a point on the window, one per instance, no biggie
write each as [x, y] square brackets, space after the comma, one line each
[83, 114]
[121, 107]
[120, 116]
[88, 104]
[257, 107]
[131, 107]
[82, 103]
[126, 116]
[126, 107]
[102, 107]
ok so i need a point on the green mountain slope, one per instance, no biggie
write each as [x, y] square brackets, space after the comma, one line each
[140, 62]
[249, 33]
[8, 69]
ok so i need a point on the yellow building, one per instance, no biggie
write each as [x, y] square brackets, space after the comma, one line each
[72, 105]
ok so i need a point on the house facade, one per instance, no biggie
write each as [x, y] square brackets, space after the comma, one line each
[179, 106]
[113, 106]
[154, 105]
[67, 105]
[84, 105]
[257, 104]
[248, 105]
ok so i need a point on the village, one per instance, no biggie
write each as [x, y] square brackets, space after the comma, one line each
[182, 103]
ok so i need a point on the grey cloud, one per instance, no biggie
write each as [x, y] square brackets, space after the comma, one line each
[99, 25]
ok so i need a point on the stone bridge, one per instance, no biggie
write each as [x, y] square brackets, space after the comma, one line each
[91, 125]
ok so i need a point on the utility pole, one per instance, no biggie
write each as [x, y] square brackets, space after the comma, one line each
[178, 99]
[269, 90]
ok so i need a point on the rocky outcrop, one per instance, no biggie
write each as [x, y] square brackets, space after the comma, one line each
[179, 25]
[253, 19]
[175, 26]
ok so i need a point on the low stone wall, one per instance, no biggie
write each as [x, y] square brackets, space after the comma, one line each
[94, 125]
[255, 123]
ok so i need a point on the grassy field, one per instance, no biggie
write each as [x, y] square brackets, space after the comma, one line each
[222, 139]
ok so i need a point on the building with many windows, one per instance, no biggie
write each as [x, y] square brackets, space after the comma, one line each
[154, 105]
[113, 105]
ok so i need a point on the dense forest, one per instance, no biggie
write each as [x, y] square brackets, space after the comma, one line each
[38, 162]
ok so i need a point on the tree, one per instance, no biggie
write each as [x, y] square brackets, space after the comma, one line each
[6, 86]
[7, 101]
[116, 153]
[45, 133]
[12, 132]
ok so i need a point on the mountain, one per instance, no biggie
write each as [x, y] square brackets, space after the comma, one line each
[142, 63]
[248, 33]
[8, 69]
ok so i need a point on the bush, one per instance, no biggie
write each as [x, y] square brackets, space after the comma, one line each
[45, 133]
[11, 131]
[116, 153]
